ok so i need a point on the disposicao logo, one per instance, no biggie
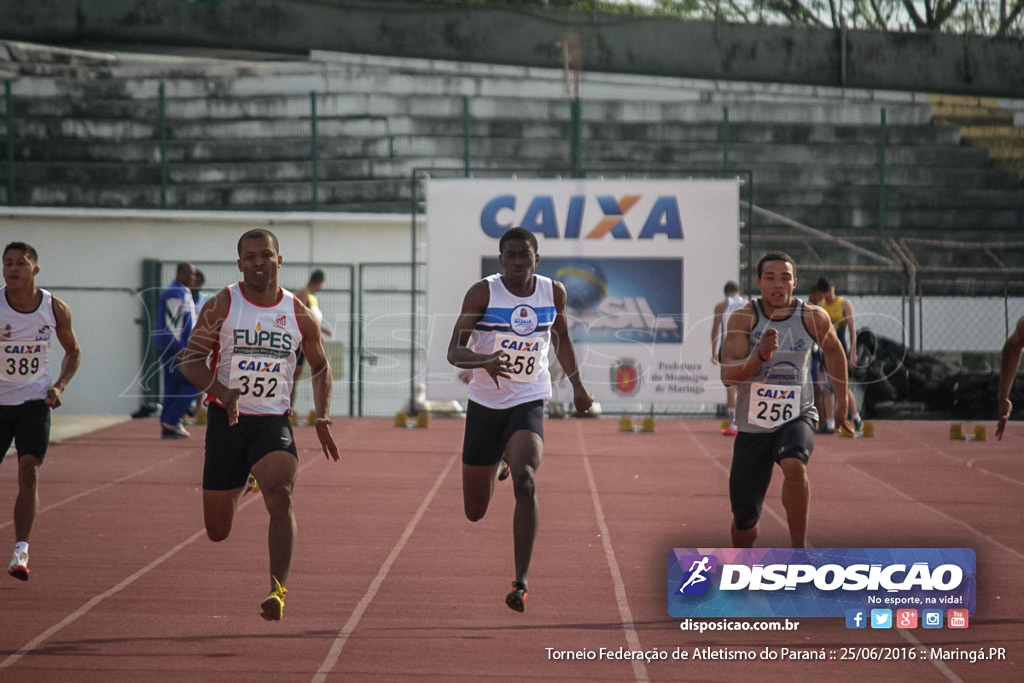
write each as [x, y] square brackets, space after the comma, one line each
[697, 580]
[783, 582]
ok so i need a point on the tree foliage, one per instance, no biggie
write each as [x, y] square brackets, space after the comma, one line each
[995, 18]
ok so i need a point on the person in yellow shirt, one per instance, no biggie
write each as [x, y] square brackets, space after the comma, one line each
[840, 312]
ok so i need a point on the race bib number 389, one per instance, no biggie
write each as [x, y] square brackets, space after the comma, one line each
[22, 362]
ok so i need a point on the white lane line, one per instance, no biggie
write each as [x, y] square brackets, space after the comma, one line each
[33, 644]
[625, 614]
[353, 621]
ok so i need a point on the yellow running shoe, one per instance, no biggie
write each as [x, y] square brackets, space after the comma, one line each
[251, 486]
[272, 607]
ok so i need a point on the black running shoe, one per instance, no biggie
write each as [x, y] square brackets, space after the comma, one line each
[516, 600]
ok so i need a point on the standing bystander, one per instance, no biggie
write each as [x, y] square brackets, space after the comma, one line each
[175, 318]
[723, 309]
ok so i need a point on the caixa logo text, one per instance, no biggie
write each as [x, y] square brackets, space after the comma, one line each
[579, 218]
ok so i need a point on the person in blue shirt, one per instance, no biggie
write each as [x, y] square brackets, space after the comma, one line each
[176, 315]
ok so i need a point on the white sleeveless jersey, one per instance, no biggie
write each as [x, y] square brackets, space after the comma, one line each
[256, 352]
[732, 303]
[24, 350]
[521, 328]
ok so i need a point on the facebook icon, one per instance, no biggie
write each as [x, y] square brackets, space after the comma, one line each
[856, 618]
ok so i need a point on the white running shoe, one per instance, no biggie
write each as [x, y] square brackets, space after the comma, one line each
[173, 431]
[19, 566]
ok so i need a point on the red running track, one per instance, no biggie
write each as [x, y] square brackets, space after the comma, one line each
[391, 583]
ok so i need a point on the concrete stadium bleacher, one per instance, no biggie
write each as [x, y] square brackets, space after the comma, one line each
[87, 134]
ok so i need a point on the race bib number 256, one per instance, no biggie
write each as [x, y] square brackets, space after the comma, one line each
[772, 404]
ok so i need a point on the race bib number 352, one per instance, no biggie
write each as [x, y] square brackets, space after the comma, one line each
[259, 379]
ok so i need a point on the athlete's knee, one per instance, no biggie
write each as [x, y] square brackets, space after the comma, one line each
[475, 513]
[744, 521]
[793, 467]
[217, 532]
[525, 483]
[278, 499]
[745, 515]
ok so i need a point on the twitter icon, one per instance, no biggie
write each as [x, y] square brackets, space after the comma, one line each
[881, 618]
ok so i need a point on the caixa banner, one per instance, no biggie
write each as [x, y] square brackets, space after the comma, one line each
[818, 582]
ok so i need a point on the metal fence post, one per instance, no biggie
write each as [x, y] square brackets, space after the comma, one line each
[725, 138]
[313, 151]
[465, 136]
[163, 147]
[577, 139]
[882, 137]
[9, 107]
[150, 295]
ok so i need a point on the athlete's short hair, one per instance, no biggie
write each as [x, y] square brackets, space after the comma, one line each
[776, 256]
[518, 233]
[258, 234]
[25, 247]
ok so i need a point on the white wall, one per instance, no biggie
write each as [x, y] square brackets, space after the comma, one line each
[92, 259]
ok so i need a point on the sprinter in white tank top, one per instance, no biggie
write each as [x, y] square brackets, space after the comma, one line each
[250, 330]
[501, 336]
[29, 318]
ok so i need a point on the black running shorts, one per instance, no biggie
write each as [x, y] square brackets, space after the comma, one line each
[754, 456]
[232, 451]
[28, 426]
[489, 429]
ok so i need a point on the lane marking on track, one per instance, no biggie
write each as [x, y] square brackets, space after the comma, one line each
[33, 644]
[357, 614]
[625, 613]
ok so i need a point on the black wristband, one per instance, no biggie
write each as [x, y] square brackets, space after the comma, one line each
[763, 359]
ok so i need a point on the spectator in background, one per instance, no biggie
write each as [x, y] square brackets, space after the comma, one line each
[176, 315]
[723, 309]
[1007, 373]
[307, 295]
[198, 296]
[840, 312]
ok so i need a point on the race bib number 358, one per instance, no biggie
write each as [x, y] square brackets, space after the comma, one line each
[524, 355]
